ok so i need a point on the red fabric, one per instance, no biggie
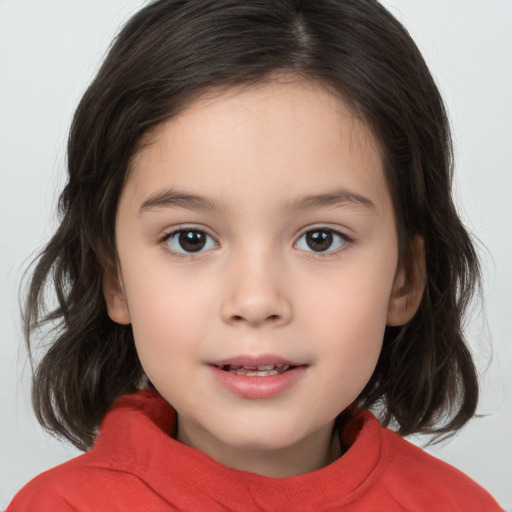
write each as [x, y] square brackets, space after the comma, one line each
[136, 466]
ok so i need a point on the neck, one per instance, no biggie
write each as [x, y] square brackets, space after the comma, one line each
[312, 453]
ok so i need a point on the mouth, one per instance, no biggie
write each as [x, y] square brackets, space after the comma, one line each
[257, 377]
[264, 370]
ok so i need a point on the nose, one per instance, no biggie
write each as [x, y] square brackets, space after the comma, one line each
[257, 293]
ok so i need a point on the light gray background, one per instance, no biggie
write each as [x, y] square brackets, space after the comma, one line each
[49, 50]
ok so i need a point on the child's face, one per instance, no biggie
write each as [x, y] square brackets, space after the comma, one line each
[287, 254]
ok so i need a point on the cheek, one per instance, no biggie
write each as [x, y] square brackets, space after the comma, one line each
[350, 298]
[160, 294]
[348, 342]
[172, 312]
[345, 314]
[161, 308]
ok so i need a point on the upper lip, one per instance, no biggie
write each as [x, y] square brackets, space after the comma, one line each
[255, 361]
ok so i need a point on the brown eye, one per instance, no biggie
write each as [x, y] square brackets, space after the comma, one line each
[192, 241]
[321, 240]
[186, 241]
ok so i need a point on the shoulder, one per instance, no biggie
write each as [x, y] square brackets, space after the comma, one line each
[58, 489]
[49, 490]
[79, 485]
[418, 478]
[111, 476]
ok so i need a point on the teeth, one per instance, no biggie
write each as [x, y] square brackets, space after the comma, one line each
[254, 373]
[257, 371]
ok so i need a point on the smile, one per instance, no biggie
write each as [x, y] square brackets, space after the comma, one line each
[256, 371]
[257, 377]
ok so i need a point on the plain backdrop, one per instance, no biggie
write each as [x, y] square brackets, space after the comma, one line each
[49, 51]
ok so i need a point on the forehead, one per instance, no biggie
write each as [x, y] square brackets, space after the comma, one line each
[290, 135]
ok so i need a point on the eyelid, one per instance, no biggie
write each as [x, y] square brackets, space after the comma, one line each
[181, 228]
[185, 227]
[347, 240]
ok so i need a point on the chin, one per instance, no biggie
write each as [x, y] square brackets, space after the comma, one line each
[261, 437]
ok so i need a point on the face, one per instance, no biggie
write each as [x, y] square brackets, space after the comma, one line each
[258, 268]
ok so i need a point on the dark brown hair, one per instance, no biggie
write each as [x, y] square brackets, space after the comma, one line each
[169, 53]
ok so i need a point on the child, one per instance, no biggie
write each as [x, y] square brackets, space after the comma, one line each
[258, 245]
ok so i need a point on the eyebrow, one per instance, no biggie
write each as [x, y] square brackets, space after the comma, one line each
[171, 198]
[339, 197]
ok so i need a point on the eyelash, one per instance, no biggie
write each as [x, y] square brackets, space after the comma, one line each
[343, 241]
[184, 230]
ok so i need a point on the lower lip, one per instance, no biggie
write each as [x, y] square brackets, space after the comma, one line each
[258, 387]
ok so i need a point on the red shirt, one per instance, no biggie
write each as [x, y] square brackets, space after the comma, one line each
[137, 466]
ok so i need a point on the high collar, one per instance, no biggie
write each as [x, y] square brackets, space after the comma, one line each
[135, 437]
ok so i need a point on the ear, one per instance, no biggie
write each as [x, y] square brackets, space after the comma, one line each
[113, 293]
[408, 286]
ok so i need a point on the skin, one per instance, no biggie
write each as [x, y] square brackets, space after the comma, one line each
[257, 287]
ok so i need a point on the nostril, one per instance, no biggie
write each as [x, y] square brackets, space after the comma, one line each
[241, 318]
